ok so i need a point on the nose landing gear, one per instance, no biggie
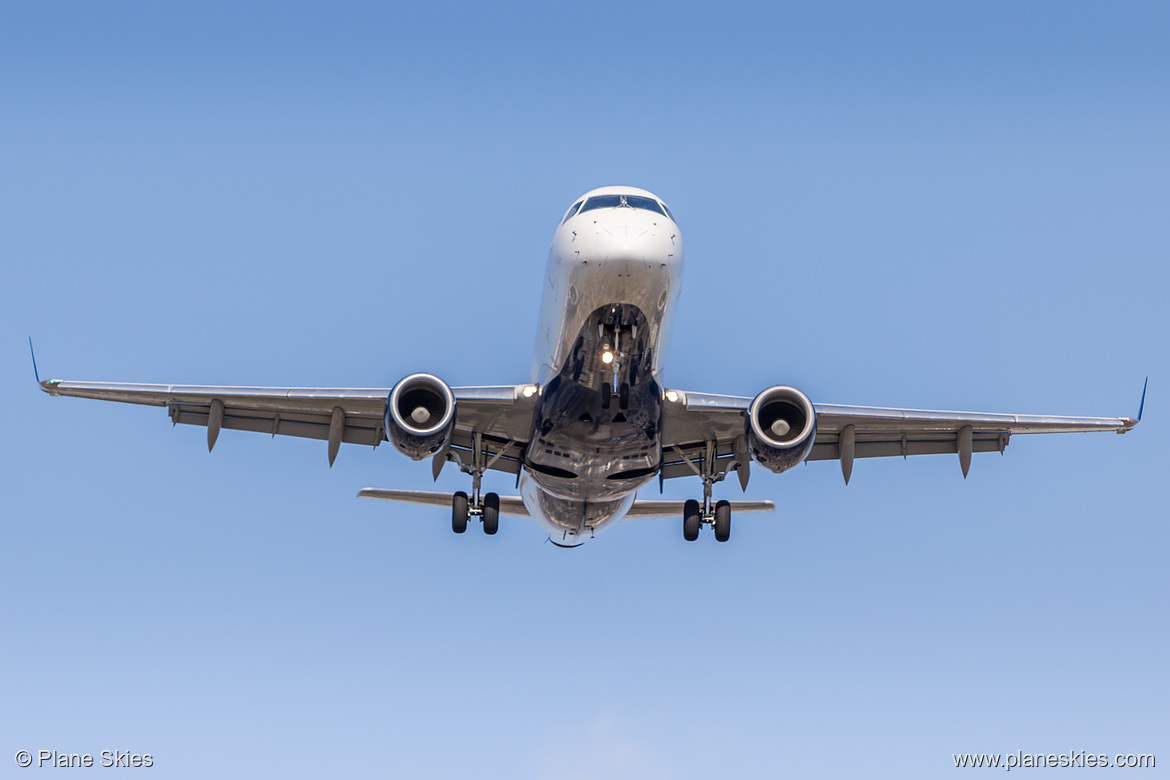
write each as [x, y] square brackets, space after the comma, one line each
[616, 340]
[623, 395]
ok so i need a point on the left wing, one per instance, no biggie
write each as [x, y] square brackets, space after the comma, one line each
[702, 428]
[501, 414]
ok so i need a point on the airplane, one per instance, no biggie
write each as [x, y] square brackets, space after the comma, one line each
[596, 422]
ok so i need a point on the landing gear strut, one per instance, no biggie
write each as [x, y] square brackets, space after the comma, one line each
[613, 358]
[485, 506]
[696, 515]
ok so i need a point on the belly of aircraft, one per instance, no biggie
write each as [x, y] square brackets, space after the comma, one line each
[596, 435]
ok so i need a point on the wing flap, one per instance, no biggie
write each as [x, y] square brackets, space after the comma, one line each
[358, 429]
[889, 448]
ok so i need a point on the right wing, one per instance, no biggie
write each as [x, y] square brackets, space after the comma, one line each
[704, 428]
[501, 414]
[883, 432]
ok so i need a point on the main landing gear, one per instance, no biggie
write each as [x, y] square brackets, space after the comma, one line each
[488, 511]
[486, 506]
[717, 515]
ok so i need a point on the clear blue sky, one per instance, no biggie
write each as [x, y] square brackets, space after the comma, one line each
[955, 205]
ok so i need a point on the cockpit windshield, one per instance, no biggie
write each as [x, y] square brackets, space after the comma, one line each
[602, 202]
[623, 201]
[572, 211]
[641, 202]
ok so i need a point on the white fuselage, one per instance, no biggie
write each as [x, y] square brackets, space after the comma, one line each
[611, 284]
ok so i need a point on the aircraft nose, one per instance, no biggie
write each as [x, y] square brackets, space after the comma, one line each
[630, 242]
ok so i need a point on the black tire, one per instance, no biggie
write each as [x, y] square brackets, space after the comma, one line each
[459, 512]
[606, 394]
[722, 521]
[691, 520]
[624, 396]
[491, 514]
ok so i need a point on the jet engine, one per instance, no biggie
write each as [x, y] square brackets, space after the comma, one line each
[780, 427]
[420, 415]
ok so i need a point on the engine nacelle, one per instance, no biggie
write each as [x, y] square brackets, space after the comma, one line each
[420, 416]
[780, 428]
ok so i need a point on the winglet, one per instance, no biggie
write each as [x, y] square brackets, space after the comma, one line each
[32, 352]
[48, 385]
[1128, 423]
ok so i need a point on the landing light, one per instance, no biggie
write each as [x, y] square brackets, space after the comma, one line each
[607, 357]
[529, 391]
[671, 396]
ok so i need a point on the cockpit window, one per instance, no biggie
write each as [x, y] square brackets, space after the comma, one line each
[672, 219]
[624, 201]
[572, 211]
[641, 202]
[602, 202]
